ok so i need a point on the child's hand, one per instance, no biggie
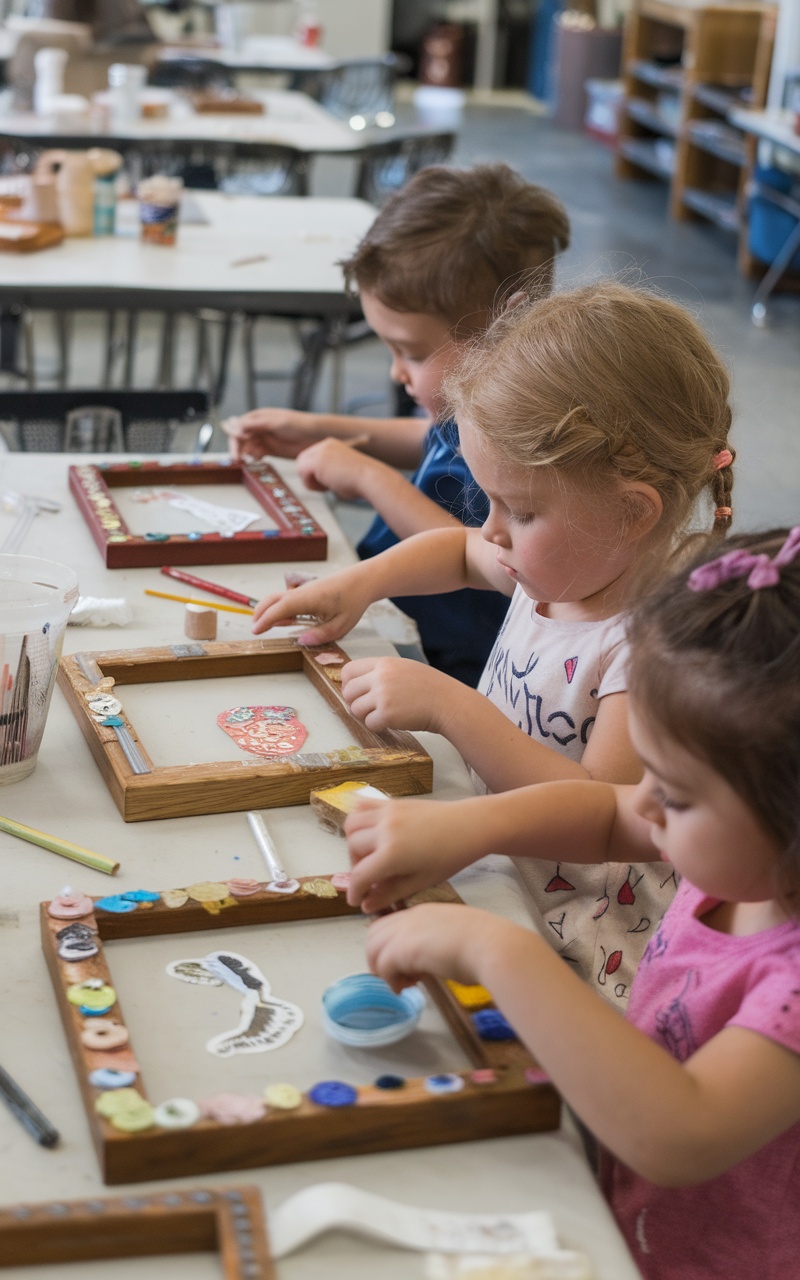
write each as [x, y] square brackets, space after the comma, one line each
[398, 847]
[282, 433]
[439, 939]
[397, 693]
[335, 467]
[337, 602]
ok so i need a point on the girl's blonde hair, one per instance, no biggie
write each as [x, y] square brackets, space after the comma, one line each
[605, 382]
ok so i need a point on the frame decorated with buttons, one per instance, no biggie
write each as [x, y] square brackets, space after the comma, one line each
[503, 1093]
[296, 535]
[393, 761]
[227, 1221]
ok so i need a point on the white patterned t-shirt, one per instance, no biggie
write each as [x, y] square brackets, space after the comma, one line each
[548, 676]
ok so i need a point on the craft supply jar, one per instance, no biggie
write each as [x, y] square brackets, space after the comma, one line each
[159, 208]
[36, 598]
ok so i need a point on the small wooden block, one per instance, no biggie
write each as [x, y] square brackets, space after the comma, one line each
[28, 237]
[199, 623]
[333, 804]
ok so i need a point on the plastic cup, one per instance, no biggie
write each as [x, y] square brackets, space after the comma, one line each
[36, 599]
[159, 209]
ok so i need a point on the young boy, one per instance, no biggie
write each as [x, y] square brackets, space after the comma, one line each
[442, 254]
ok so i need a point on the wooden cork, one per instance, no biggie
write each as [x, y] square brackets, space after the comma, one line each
[200, 623]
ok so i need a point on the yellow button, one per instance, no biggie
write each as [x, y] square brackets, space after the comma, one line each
[283, 1097]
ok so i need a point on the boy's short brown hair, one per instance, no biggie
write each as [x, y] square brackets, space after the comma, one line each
[454, 242]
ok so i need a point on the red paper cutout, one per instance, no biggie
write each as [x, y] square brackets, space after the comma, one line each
[264, 731]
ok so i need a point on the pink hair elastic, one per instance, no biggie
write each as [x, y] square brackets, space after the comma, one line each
[722, 459]
[760, 570]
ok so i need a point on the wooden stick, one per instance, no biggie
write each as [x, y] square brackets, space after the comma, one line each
[98, 861]
[207, 604]
[214, 588]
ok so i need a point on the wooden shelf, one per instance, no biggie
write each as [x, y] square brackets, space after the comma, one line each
[652, 73]
[718, 139]
[718, 207]
[648, 114]
[705, 58]
[642, 152]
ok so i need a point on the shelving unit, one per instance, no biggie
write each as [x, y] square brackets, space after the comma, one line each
[686, 65]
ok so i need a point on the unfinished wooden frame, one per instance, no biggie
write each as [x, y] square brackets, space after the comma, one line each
[393, 761]
[297, 536]
[505, 1093]
[227, 1221]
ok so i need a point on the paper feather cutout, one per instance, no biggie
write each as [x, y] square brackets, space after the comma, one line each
[265, 1023]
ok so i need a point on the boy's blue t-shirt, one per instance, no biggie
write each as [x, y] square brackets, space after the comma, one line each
[458, 628]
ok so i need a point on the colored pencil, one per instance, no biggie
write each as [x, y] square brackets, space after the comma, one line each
[214, 587]
[27, 1112]
[206, 604]
[98, 861]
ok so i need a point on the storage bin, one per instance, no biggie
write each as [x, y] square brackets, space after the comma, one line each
[769, 226]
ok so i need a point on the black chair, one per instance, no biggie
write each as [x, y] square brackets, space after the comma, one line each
[97, 421]
[191, 74]
[355, 89]
[386, 166]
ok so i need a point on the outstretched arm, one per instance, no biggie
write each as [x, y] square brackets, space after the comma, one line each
[676, 1124]
[392, 693]
[398, 847]
[284, 433]
[333, 465]
[436, 561]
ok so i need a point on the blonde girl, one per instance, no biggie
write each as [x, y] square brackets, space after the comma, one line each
[594, 421]
[696, 1095]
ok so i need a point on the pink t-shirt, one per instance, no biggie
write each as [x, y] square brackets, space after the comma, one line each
[692, 983]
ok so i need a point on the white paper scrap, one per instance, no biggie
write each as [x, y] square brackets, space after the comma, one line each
[334, 1205]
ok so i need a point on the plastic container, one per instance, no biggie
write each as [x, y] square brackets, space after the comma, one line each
[125, 80]
[439, 106]
[106, 164]
[159, 208]
[361, 1010]
[36, 597]
[49, 66]
[769, 226]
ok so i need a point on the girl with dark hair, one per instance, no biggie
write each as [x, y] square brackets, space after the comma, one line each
[695, 1096]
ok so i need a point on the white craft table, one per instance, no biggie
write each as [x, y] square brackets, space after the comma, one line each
[278, 54]
[66, 795]
[288, 248]
[290, 119]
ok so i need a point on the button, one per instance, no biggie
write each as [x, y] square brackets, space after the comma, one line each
[108, 1078]
[283, 1097]
[177, 1113]
[333, 1093]
[444, 1083]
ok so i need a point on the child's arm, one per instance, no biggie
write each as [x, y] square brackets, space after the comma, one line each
[395, 693]
[398, 847]
[284, 433]
[676, 1124]
[334, 466]
[428, 563]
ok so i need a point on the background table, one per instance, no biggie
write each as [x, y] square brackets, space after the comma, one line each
[289, 119]
[67, 796]
[256, 54]
[288, 248]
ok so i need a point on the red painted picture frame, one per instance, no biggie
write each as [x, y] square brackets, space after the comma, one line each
[297, 537]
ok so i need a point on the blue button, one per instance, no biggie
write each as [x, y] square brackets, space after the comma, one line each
[333, 1093]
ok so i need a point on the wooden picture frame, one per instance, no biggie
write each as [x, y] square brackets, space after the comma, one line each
[226, 1221]
[505, 1093]
[392, 761]
[297, 537]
